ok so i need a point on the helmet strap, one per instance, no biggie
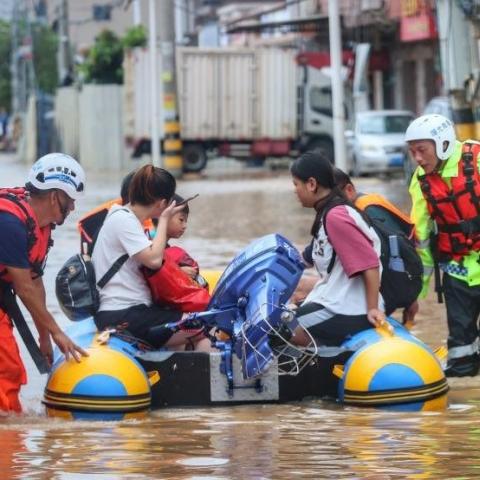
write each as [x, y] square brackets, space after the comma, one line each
[64, 208]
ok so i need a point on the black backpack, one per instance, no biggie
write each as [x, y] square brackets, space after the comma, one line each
[402, 272]
[77, 288]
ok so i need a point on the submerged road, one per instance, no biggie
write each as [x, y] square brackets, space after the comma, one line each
[307, 440]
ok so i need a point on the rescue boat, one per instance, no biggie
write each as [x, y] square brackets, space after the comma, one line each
[255, 361]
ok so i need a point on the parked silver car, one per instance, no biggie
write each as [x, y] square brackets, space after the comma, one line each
[439, 105]
[376, 145]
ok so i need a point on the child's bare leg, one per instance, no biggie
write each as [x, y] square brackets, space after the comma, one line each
[304, 287]
[204, 345]
[300, 337]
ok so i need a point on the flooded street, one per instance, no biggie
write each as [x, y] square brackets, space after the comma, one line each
[312, 439]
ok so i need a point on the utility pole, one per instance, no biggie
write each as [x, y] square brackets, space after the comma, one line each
[63, 57]
[137, 14]
[337, 85]
[173, 161]
[14, 61]
[21, 60]
[152, 46]
[456, 58]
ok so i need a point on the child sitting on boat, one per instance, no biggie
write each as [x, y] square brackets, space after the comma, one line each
[175, 229]
[345, 300]
[178, 282]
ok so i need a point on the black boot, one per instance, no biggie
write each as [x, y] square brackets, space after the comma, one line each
[463, 367]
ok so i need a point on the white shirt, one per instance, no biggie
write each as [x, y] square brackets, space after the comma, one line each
[337, 291]
[122, 232]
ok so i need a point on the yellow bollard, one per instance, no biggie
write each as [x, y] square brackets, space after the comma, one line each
[172, 146]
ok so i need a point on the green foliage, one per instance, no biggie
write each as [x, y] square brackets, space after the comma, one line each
[45, 45]
[104, 60]
[135, 37]
[5, 49]
[44, 58]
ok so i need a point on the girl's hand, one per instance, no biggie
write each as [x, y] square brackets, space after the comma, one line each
[376, 317]
[171, 210]
[190, 271]
[46, 348]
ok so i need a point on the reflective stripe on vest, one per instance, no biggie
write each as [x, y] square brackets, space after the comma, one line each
[456, 208]
[464, 350]
[365, 200]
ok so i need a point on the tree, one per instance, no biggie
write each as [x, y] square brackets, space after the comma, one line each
[104, 60]
[5, 76]
[45, 45]
[135, 37]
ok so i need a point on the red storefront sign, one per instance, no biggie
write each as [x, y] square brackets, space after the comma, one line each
[418, 27]
[378, 60]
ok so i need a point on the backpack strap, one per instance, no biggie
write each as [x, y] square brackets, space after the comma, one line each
[9, 303]
[112, 271]
[117, 264]
[334, 202]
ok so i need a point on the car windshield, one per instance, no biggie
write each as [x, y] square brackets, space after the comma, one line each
[381, 124]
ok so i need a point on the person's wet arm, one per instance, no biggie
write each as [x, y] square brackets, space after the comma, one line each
[152, 256]
[43, 333]
[358, 257]
[423, 229]
[371, 277]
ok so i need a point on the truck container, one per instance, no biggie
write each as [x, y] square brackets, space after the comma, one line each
[246, 103]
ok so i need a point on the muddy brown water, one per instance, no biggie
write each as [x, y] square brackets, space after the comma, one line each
[311, 439]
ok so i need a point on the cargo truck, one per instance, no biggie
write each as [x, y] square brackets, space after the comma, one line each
[250, 104]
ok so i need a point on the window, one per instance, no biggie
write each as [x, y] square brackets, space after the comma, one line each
[321, 100]
[381, 124]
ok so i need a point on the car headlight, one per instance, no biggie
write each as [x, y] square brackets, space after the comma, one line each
[371, 148]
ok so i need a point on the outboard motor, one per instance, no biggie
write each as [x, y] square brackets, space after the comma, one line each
[248, 301]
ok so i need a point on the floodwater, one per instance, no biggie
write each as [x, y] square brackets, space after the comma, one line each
[311, 439]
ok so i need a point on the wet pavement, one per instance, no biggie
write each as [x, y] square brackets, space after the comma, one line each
[311, 439]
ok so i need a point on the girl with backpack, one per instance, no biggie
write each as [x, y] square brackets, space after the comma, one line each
[346, 299]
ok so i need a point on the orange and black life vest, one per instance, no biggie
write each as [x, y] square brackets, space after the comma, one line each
[13, 201]
[456, 208]
[90, 224]
[377, 207]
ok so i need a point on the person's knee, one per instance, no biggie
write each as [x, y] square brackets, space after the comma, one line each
[301, 338]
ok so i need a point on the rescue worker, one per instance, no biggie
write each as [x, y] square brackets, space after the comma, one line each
[445, 191]
[27, 216]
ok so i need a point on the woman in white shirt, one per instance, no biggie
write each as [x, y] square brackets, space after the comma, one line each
[126, 301]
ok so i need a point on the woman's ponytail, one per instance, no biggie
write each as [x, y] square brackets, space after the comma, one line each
[150, 184]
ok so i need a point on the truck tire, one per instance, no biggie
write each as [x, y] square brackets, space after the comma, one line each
[324, 146]
[194, 158]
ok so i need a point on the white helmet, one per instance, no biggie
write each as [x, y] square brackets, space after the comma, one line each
[433, 127]
[58, 170]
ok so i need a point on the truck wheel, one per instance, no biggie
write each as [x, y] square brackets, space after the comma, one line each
[324, 146]
[194, 158]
